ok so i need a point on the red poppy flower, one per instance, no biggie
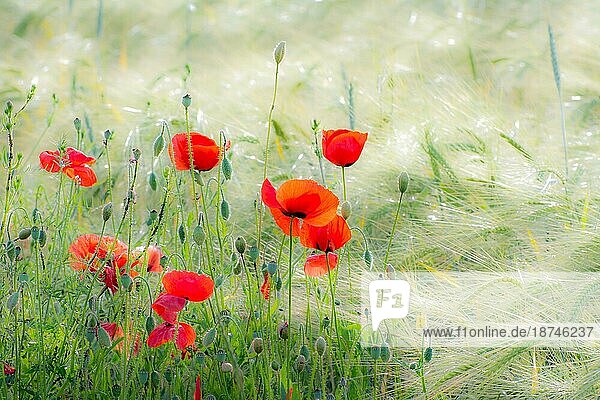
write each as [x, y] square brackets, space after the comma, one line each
[326, 238]
[266, 287]
[299, 199]
[316, 265]
[8, 370]
[83, 248]
[165, 332]
[167, 306]
[154, 255]
[189, 285]
[198, 391]
[74, 164]
[343, 147]
[205, 152]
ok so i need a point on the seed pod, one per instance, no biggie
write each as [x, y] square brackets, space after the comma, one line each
[181, 233]
[320, 345]
[221, 355]
[225, 213]
[143, 377]
[368, 257]
[279, 52]
[150, 324]
[346, 209]
[77, 124]
[103, 337]
[199, 235]
[209, 337]
[107, 211]
[300, 363]
[24, 233]
[152, 181]
[375, 352]
[257, 345]
[240, 244]
[403, 180]
[284, 331]
[428, 354]
[12, 301]
[186, 100]
[226, 168]
[158, 145]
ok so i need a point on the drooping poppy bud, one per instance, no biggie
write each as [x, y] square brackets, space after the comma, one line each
[403, 180]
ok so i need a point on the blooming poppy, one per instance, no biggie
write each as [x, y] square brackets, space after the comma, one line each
[318, 265]
[189, 285]
[83, 248]
[167, 306]
[154, 255]
[299, 199]
[73, 163]
[326, 238]
[342, 146]
[266, 287]
[165, 332]
[205, 152]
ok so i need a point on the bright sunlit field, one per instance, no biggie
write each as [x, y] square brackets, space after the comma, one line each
[494, 120]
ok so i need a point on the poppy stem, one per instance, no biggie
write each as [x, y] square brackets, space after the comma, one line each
[289, 343]
[333, 310]
[191, 156]
[344, 182]
[389, 246]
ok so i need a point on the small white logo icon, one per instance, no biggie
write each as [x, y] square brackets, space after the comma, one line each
[389, 300]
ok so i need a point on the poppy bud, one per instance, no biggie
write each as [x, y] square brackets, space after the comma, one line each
[42, 238]
[221, 355]
[278, 283]
[272, 268]
[181, 233]
[257, 345]
[375, 352]
[103, 337]
[325, 323]
[169, 375]
[126, 281]
[210, 397]
[152, 215]
[155, 378]
[253, 253]
[346, 209]
[225, 213]
[320, 345]
[209, 337]
[284, 331]
[199, 235]
[11, 250]
[136, 154]
[12, 301]
[240, 244]
[24, 233]
[143, 377]
[368, 257]
[158, 145]
[152, 181]
[9, 107]
[227, 168]
[300, 363]
[90, 335]
[305, 352]
[403, 181]
[237, 268]
[107, 211]
[279, 52]
[186, 100]
[412, 365]
[428, 354]
[150, 324]
[275, 366]
[107, 135]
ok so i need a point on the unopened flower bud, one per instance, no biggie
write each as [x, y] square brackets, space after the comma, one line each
[279, 52]
[152, 181]
[428, 355]
[209, 337]
[226, 367]
[284, 331]
[227, 168]
[300, 363]
[375, 352]
[199, 235]
[77, 124]
[225, 213]
[320, 345]
[158, 145]
[305, 352]
[272, 268]
[240, 245]
[368, 257]
[136, 154]
[24, 233]
[275, 366]
[181, 233]
[126, 281]
[107, 135]
[257, 345]
[42, 239]
[103, 337]
[186, 100]
[346, 209]
[9, 107]
[107, 211]
[403, 181]
[253, 253]
[150, 324]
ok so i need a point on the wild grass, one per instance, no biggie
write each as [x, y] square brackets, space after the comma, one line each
[460, 95]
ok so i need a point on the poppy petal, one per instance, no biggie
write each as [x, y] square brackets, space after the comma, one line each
[162, 334]
[167, 306]
[283, 222]
[327, 238]
[81, 251]
[189, 285]
[83, 175]
[50, 160]
[77, 158]
[306, 199]
[266, 287]
[269, 195]
[316, 265]
[185, 336]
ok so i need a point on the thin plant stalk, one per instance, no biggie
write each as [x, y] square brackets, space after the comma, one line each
[389, 246]
[557, 81]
